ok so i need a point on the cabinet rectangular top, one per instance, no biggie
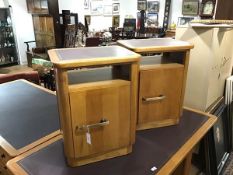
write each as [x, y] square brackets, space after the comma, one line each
[91, 56]
[155, 45]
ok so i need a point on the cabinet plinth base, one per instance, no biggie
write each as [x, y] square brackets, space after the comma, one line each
[157, 124]
[95, 158]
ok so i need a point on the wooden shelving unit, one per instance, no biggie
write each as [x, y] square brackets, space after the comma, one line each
[8, 52]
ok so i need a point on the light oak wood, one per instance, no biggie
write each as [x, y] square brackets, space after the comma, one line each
[97, 56]
[182, 153]
[164, 80]
[134, 76]
[167, 111]
[100, 157]
[64, 110]
[185, 167]
[186, 64]
[155, 45]
[92, 102]
[86, 103]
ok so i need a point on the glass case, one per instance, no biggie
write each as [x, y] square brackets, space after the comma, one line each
[8, 53]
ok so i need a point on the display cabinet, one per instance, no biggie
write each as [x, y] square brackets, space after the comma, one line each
[162, 79]
[97, 104]
[8, 52]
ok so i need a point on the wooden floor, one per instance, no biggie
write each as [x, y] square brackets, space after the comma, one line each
[14, 69]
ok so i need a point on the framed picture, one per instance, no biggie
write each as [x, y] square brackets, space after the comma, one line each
[96, 7]
[184, 21]
[142, 5]
[153, 6]
[115, 21]
[86, 4]
[107, 10]
[190, 7]
[88, 19]
[152, 19]
[115, 8]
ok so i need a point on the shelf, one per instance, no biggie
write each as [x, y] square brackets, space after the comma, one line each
[8, 63]
[200, 25]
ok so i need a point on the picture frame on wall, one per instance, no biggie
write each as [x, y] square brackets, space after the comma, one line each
[115, 8]
[116, 21]
[142, 5]
[184, 21]
[86, 4]
[88, 19]
[152, 19]
[153, 6]
[96, 7]
[190, 7]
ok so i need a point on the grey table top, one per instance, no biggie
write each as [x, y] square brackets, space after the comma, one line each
[27, 113]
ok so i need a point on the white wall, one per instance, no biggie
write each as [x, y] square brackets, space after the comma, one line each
[22, 20]
[2, 3]
[23, 27]
[127, 7]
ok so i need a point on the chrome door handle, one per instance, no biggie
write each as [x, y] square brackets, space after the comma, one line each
[103, 122]
[151, 99]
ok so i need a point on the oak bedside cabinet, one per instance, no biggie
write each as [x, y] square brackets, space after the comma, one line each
[162, 78]
[28, 117]
[97, 105]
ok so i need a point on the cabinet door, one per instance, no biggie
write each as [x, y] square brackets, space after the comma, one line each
[160, 94]
[44, 31]
[93, 102]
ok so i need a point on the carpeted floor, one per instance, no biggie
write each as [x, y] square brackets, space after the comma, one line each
[228, 168]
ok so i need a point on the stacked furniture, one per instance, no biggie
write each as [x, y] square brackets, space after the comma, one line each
[28, 117]
[162, 79]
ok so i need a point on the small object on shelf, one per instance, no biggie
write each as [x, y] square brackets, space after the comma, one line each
[207, 8]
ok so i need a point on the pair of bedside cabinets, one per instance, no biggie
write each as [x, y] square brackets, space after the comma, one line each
[106, 93]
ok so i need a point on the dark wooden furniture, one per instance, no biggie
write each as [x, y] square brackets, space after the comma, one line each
[46, 21]
[37, 52]
[168, 149]
[224, 10]
[8, 52]
[162, 80]
[32, 76]
[28, 117]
